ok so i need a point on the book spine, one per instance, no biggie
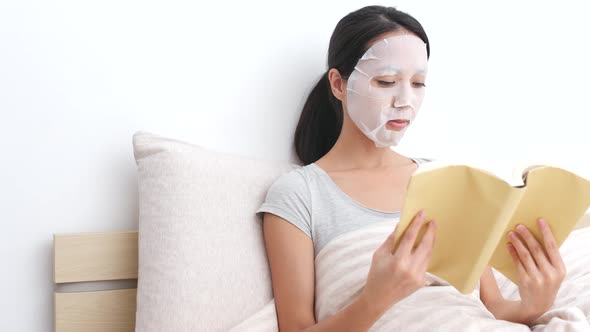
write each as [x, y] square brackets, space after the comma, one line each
[495, 237]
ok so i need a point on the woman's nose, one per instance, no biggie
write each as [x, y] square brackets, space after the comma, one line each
[403, 97]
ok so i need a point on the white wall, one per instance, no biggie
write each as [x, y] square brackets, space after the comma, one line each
[508, 82]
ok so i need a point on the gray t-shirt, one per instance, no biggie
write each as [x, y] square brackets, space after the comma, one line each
[308, 198]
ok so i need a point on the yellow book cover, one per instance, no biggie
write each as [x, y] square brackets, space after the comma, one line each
[475, 209]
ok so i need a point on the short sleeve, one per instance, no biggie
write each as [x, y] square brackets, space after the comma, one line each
[289, 198]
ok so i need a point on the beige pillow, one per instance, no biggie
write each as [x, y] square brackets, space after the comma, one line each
[202, 262]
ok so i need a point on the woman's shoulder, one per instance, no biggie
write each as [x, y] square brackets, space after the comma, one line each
[289, 197]
[293, 180]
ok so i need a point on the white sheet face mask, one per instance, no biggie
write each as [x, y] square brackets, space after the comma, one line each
[386, 85]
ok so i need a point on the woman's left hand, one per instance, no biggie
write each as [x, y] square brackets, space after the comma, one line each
[540, 271]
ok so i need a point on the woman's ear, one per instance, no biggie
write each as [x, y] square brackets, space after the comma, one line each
[337, 84]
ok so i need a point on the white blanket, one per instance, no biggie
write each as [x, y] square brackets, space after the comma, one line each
[343, 264]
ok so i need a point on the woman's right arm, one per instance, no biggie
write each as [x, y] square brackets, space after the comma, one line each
[291, 258]
[393, 276]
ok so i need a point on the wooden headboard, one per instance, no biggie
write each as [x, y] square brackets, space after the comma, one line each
[92, 257]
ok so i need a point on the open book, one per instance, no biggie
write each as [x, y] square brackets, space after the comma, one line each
[475, 209]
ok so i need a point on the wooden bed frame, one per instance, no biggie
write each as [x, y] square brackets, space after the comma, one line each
[95, 257]
[92, 257]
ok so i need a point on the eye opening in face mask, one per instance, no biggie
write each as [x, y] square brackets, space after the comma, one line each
[384, 84]
[384, 81]
[418, 80]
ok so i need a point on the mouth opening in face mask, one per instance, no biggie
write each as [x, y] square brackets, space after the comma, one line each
[397, 124]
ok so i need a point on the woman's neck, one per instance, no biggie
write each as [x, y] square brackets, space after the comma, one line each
[354, 150]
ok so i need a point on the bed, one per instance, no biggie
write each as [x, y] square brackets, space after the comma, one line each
[91, 258]
[195, 211]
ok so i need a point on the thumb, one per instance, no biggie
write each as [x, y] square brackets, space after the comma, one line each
[488, 287]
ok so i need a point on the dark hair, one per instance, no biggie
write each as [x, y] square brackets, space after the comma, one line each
[321, 118]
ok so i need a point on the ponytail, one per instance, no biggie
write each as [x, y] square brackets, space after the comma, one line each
[319, 124]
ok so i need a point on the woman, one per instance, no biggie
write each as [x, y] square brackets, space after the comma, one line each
[360, 107]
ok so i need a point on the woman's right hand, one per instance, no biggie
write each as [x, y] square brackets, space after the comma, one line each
[396, 274]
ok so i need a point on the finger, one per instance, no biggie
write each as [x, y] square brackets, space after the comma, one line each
[488, 287]
[523, 253]
[409, 236]
[387, 245]
[551, 245]
[424, 249]
[534, 247]
[520, 270]
[426, 258]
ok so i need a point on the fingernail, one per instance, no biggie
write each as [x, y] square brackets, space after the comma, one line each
[421, 215]
[511, 235]
[520, 228]
[542, 222]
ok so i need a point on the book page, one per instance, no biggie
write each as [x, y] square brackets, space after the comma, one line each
[559, 196]
[467, 204]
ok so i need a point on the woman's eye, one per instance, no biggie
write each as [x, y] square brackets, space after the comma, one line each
[385, 83]
[420, 84]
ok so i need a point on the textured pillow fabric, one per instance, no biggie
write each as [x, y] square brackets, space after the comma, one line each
[202, 262]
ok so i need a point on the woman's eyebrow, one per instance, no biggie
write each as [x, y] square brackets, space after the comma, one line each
[389, 68]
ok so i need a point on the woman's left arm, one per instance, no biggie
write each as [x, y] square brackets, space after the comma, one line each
[540, 271]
